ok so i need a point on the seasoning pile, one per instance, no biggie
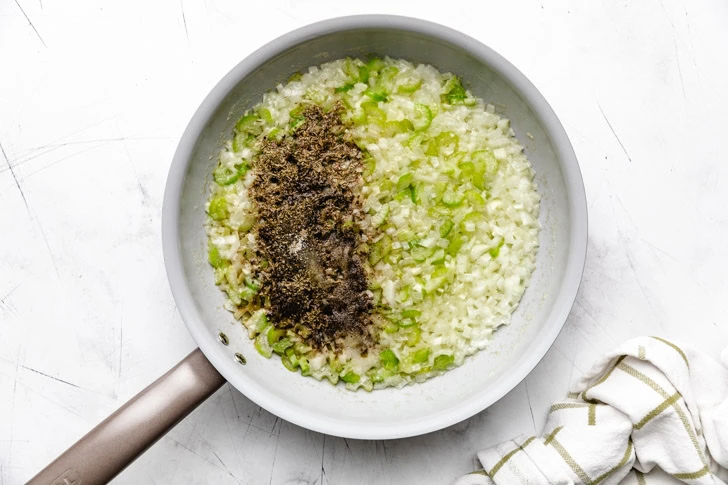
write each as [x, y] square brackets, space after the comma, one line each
[305, 196]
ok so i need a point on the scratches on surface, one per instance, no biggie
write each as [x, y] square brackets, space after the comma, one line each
[4, 305]
[322, 477]
[530, 406]
[184, 20]
[232, 398]
[48, 247]
[15, 177]
[31, 24]
[145, 195]
[51, 377]
[224, 465]
[348, 448]
[614, 132]
[679, 68]
[185, 447]
[275, 454]
[45, 167]
[273, 428]
[591, 316]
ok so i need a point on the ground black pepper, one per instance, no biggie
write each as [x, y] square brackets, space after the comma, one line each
[304, 191]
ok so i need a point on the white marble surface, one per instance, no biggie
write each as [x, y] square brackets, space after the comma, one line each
[93, 98]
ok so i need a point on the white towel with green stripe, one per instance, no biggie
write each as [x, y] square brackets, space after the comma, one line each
[651, 412]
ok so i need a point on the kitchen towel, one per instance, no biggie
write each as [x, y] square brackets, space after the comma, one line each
[650, 412]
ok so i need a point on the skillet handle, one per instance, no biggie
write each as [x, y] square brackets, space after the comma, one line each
[112, 445]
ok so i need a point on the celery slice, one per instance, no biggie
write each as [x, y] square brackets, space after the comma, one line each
[262, 346]
[446, 227]
[442, 362]
[389, 360]
[409, 87]
[404, 181]
[351, 377]
[422, 118]
[452, 199]
[421, 356]
[217, 261]
[380, 249]
[218, 209]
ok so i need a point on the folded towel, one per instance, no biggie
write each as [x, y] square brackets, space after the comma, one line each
[650, 412]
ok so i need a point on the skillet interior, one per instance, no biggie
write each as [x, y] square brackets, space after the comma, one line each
[484, 378]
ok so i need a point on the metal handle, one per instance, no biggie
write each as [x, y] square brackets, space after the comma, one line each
[112, 445]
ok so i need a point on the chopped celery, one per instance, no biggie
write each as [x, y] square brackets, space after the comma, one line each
[247, 294]
[275, 334]
[407, 322]
[411, 313]
[370, 165]
[470, 221]
[422, 118]
[389, 360]
[415, 140]
[288, 364]
[351, 68]
[438, 257]
[441, 141]
[406, 235]
[375, 64]
[414, 337]
[442, 362]
[258, 321]
[351, 377]
[297, 118]
[252, 283]
[296, 76]
[213, 256]
[475, 198]
[305, 366]
[391, 327]
[421, 253]
[380, 249]
[466, 169]
[242, 140]
[262, 346]
[381, 216]
[377, 298]
[363, 74]
[225, 175]
[452, 199]
[486, 167]
[409, 86]
[249, 124]
[446, 227]
[377, 94]
[439, 278]
[404, 181]
[456, 242]
[218, 209]
[396, 127]
[385, 79]
[421, 356]
[342, 89]
[373, 111]
[274, 134]
[454, 92]
[281, 346]
[495, 251]
[247, 223]
[413, 193]
[265, 115]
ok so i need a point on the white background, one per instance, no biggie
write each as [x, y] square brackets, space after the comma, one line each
[93, 98]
